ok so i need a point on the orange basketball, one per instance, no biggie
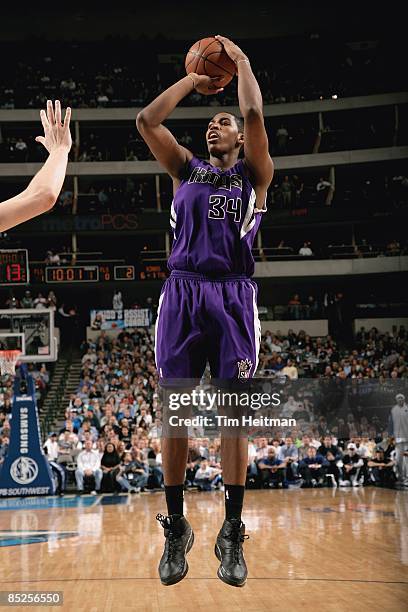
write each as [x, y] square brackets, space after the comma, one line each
[207, 56]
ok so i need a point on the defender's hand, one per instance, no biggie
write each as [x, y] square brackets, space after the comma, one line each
[204, 84]
[56, 133]
[231, 49]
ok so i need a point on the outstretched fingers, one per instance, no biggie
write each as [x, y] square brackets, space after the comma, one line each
[67, 118]
[44, 120]
[58, 118]
[50, 113]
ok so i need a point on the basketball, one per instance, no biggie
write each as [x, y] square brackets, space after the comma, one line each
[207, 56]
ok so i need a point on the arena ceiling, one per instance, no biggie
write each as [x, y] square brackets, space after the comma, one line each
[192, 20]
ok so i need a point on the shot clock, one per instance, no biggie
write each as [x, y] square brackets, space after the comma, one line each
[14, 268]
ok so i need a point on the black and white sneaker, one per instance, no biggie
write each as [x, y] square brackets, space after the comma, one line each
[228, 549]
[179, 536]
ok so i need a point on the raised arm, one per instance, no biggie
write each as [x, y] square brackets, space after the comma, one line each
[256, 147]
[44, 189]
[172, 156]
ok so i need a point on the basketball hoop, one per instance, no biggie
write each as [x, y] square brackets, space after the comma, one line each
[8, 361]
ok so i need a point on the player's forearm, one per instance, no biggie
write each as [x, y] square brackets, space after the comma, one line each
[40, 195]
[157, 111]
[249, 94]
[50, 178]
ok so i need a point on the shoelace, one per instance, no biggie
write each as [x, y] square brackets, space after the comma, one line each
[236, 538]
[172, 539]
[163, 520]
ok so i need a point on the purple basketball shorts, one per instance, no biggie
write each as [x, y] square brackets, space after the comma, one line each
[201, 319]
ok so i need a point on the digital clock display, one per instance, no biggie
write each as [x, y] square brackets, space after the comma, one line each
[71, 274]
[14, 267]
[124, 273]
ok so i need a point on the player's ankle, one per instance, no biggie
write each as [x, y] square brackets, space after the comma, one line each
[175, 499]
[234, 499]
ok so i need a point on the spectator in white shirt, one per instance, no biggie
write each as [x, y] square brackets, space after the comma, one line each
[88, 464]
[207, 477]
[289, 407]
[262, 449]
[52, 259]
[275, 345]
[282, 136]
[322, 184]
[290, 370]
[51, 444]
[144, 417]
[40, 301]
[305, 250]
[90, 355]
[117, 301]
[398, 427]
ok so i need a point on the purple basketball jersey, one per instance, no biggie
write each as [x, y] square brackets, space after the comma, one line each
[214, 221]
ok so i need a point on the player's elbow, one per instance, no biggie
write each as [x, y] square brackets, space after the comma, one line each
[44, 199]
[145, 121]
[142, 121]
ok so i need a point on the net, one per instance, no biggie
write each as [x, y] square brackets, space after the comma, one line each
[8, 361]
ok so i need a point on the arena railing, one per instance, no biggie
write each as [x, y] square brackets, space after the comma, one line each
[205, 112]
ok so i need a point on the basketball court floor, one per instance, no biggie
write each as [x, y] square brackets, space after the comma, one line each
[333, 550]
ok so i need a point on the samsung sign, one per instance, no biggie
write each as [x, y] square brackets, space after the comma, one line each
[25, 470]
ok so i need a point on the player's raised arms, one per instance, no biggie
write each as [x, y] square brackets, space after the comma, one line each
[158, 138]
[44, 189]
[256, 149]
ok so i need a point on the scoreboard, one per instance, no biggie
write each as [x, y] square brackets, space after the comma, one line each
[14, 268]
[85, 273]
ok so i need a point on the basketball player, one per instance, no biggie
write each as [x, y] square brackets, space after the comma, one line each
[44, 189]
[207, 308]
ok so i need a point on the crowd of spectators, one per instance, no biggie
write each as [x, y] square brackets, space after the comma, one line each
[130, 195]
[299, 135]
[287, 192]
[374, 355]
[300, 68]
[382, 192]
[110, 439]
[116, 412]
[28, 300]
[116, 145]
[323, 461]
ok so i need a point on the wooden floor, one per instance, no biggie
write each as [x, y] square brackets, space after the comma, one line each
[327, 550]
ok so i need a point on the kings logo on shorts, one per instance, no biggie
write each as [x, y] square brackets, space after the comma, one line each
[244, 368]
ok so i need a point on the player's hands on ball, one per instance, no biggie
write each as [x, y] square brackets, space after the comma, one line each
[56, 134]
[204, 84]
[231, 49]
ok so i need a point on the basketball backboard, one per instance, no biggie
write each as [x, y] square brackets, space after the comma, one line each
[30, 330]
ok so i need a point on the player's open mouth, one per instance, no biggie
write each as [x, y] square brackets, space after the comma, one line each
[213, 136]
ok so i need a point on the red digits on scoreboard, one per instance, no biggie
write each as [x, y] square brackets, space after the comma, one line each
[13, 273]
